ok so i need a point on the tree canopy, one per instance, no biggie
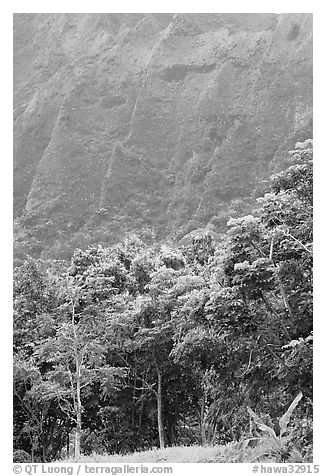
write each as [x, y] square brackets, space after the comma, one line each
[134, 346]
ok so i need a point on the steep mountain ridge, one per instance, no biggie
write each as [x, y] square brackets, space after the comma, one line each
[133, 121]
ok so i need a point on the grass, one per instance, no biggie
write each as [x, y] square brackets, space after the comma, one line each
[198, 454]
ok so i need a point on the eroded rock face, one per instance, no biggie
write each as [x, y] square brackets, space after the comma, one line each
[155, 120]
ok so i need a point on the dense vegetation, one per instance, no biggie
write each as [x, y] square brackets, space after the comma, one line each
[136, 346]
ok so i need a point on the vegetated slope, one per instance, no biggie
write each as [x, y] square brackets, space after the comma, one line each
[168, 122]
[131, 346]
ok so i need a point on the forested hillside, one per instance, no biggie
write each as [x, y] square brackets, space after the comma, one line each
[158, 124]
[134, 346]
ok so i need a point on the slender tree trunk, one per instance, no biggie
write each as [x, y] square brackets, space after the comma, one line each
[279, 282]
[133, 400]
[202, 422]
[140, 416]
[68, 445]
[159, 409]
[142, 403]
[171, 424]
[44, 453]
[212, 440]
[77, 437]
[33, 448]
[78, 405]
[78, 418]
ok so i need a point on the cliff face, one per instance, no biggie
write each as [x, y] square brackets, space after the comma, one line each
[126, 121]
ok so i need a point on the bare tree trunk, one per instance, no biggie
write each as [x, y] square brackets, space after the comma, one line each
[142, 403]
[44, 454]
[159, 409]
[212, 440]
[279, 282]
[77, 437]
[77, 402]
[78, 417]
[202, 421]
[33, 448]
[133, 400]
[68, 445]
[140, 416]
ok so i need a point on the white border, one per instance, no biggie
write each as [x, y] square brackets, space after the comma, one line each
[246, 6]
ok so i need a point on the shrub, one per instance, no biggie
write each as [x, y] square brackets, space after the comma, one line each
[21, 456]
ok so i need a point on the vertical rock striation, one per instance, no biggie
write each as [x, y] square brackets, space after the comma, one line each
[153, 120]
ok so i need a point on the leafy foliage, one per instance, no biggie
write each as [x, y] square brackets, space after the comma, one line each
[133, 346]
